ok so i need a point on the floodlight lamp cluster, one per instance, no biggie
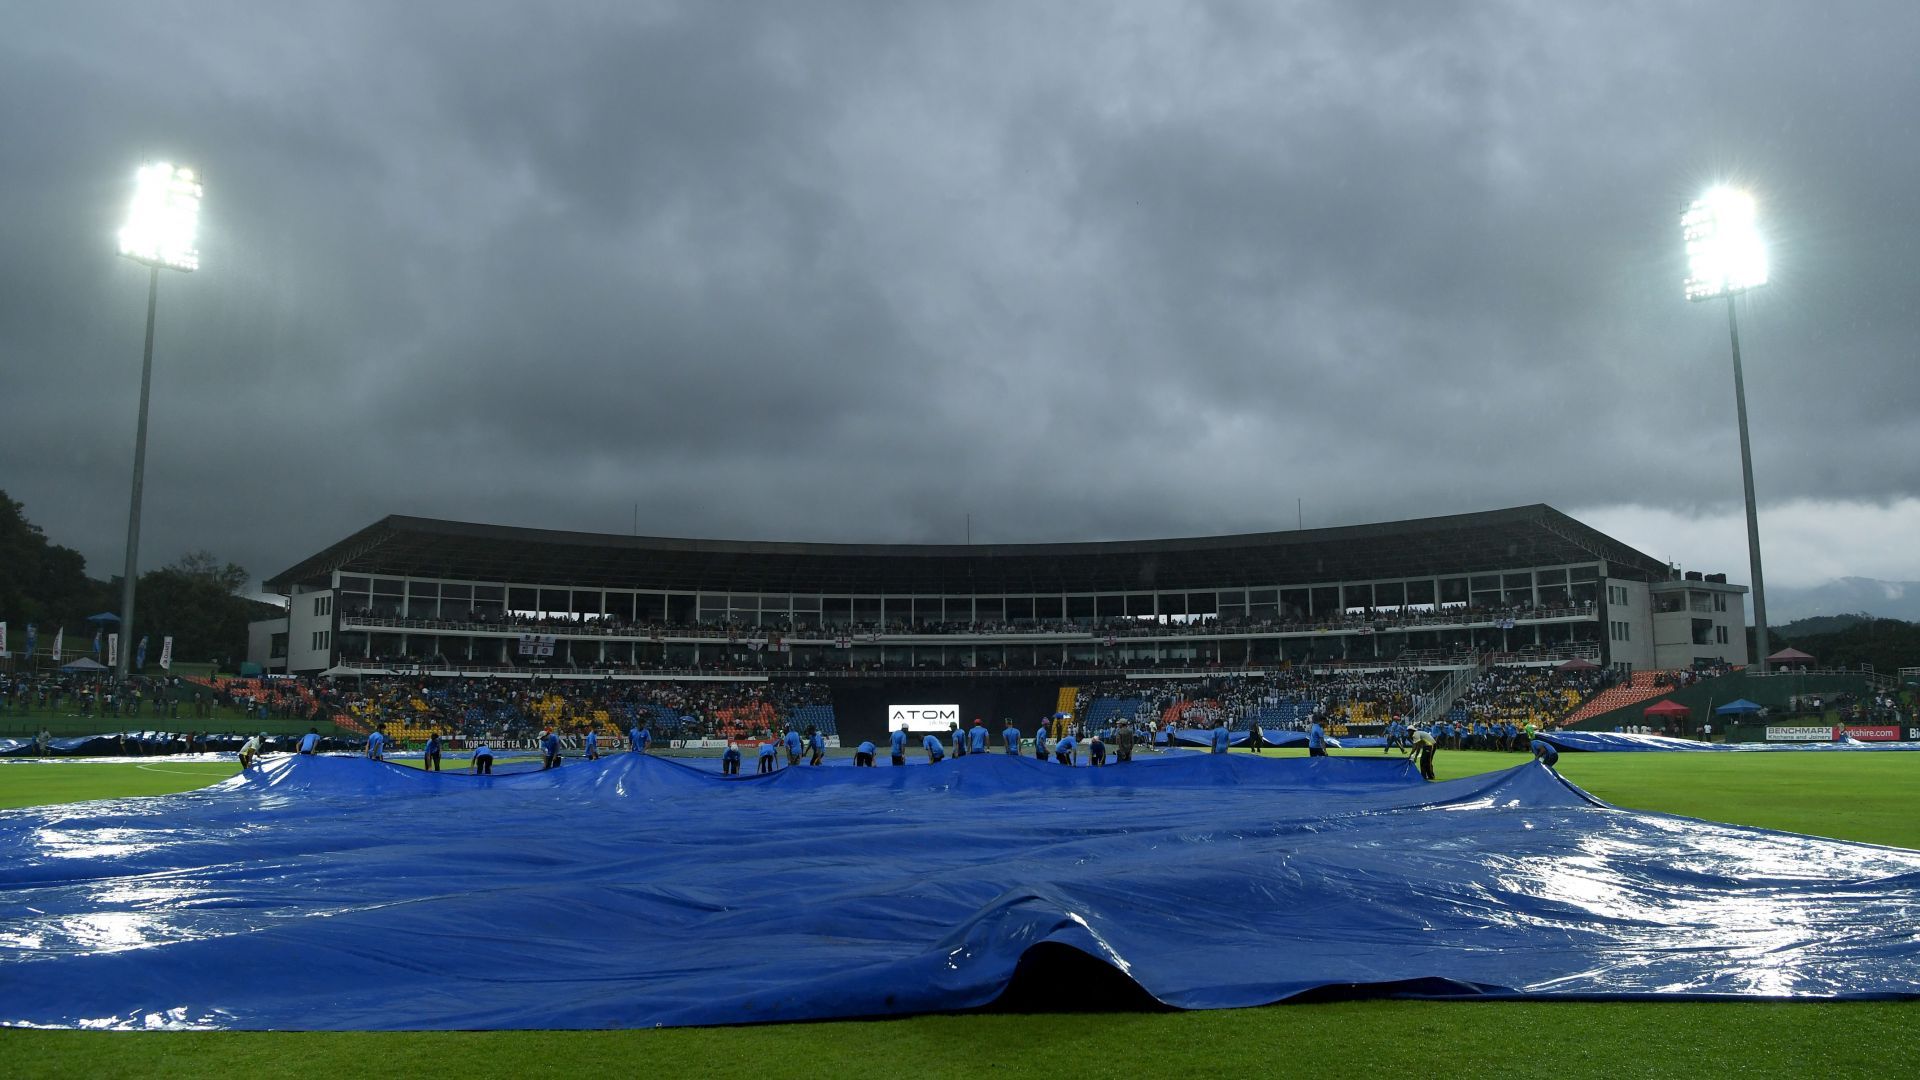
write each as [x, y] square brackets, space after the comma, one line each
[1725, 254]
[164, 220]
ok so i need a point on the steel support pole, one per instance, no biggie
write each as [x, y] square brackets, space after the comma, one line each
[139, 481]
[1753, 511]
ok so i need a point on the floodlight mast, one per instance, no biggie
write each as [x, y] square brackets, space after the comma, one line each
[160, 232]
[1725, 257]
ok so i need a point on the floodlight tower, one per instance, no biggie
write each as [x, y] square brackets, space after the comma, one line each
[160, 232]
[1725, 257]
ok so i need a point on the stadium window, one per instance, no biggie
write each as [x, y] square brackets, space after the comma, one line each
[1719, 602]
[1720, 635]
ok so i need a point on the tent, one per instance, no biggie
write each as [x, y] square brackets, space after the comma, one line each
[1668, 708]
[1577, 664]
[85, 663]
[1737, 707]
[1789, 657]
[104, 617]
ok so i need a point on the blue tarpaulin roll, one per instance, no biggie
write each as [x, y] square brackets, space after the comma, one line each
[340, 893]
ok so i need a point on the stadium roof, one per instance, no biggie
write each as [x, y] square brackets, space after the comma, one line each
[1493, 540]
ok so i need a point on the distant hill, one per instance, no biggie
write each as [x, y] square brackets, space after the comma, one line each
[1884, 599]
[1819, 624]
[1887, 644]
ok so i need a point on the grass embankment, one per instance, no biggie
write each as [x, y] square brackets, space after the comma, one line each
[1854, 796]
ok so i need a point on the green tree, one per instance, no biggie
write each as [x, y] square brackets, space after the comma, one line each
[41, 582]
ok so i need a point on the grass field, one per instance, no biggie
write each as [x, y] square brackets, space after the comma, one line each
[1867, 797]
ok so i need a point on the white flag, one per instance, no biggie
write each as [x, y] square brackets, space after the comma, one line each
[3, 640]
[58, 636]
[166, 654]
[113, 650]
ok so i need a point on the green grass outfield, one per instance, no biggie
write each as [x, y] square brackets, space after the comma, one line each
[1855, 796]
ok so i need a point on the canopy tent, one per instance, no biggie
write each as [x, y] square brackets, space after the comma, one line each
[85, 663]
[104, 617]
[1737, 707]
[1790, 656]
[1578, 664]
[1668, 708]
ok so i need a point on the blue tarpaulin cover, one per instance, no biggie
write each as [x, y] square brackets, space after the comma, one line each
[340, 893]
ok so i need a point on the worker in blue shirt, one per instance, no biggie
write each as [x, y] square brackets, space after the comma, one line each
[767, 762]
[933, 748]
[1316, 739]
[643, 739]
[377, 743]
[1545, 753]
[897, 745]
[1063, 750]
[1096, 750]
[1010, 736]
[636, 738]
[977, 737]
[793, 744]
[430, 759]
[730, 760]
[1040, 742]
[482, 759]
[959, 738]
[863, 755]
[310, 742]
[549, 750]
[1221, 740]
[816, 744]
[593, 745]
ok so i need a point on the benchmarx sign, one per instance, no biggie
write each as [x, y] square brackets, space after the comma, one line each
[1799, 734]
[922, 717]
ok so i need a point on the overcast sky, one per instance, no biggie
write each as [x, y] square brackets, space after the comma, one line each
[851, 272]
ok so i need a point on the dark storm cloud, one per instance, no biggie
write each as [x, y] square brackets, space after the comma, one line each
[854, 272]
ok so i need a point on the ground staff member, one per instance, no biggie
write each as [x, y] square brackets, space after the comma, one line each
[550, 750]
[898, 746]
[377, 743]
[863, 755]
[793, 744]
[482, 759]
[1063, 750]
[816, 744]
[1545, 753]
[249, 750]
[593, 745]
[1040, 742]
[1316, 740]
[1221, 740]
[310, 742]
[935, 752]
[1010, 736]
[767, 763]
[730, 760]
[430, 759]
[1421, 746]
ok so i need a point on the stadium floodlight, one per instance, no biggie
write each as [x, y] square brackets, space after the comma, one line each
[1726, 257]
[162, 228]
[163, 223]
[1725, 254]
